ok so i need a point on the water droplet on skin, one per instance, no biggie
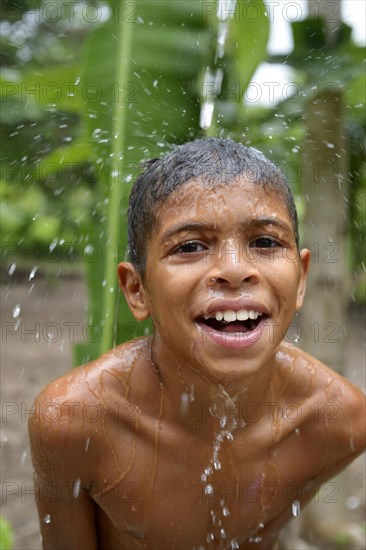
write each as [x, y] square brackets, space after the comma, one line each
[47, 518]
[87, 444]
[209, 489]
[184, 403]
[223, 533]
[226, 511]
[296, 508]
[12, 268]
[234, 545]
[76, 489]
[16, 311]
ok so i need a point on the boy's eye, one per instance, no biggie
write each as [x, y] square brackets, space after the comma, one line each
[264, 242]
[189, 247]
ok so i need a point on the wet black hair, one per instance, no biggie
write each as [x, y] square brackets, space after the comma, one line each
[210, 160]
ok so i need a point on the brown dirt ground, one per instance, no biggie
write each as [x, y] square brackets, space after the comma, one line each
[28, 364]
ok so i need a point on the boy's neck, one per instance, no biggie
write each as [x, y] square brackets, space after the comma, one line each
[195, 401]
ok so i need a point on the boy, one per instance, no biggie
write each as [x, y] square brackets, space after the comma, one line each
[214, 432]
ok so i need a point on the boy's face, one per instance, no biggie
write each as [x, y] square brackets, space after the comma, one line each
[218, 256]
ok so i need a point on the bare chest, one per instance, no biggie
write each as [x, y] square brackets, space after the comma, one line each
[171, 494]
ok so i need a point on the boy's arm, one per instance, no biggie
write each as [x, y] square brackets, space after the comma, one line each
[66, 511]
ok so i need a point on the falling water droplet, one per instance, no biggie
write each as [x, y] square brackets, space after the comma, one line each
[12, 268]
[296, 508]
[353, 502]
[47, 518]
[217, 464]
[16, 311]
[52, 245]
[206, 114]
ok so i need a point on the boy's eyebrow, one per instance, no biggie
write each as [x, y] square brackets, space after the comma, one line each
[187, 226]
[205, 226]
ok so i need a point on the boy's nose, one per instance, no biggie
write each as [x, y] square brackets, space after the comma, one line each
[233, 267]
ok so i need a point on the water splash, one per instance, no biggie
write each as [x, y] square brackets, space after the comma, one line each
[225, 411]
[212, 81]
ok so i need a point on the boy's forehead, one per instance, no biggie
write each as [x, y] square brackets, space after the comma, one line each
[211, 197]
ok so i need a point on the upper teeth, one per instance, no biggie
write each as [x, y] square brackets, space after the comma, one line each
[229, 315]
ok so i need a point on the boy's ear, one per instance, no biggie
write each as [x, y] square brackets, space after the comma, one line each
[305, 256]
[132, 287]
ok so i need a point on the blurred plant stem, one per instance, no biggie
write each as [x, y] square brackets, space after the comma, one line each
[118, 193]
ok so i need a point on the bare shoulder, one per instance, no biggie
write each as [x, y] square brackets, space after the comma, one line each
[77, 403]
[330, 400]
[90, 381]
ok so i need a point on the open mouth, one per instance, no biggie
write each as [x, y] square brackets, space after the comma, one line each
[229, 322]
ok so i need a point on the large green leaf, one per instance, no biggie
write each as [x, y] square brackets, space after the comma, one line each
[247, 42]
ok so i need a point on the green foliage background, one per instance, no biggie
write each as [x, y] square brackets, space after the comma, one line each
[89, 90]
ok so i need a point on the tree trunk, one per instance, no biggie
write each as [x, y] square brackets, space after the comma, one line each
[325, 184]
[325, 168]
